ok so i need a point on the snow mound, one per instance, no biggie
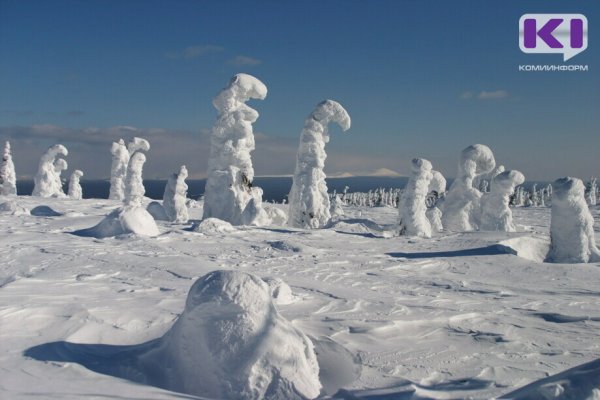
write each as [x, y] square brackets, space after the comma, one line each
[13, 208]
[581, 382]
[232, 343]
[212, 226]
[277, 215]
[531, 248]
[157, 211]
[282, 245]
[123, 221]
[280, 291]
[44, 211]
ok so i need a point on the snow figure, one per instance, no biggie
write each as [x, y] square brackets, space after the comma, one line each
[591, 190]
[137, 144]
[572, 225]
[75, 191]
[230, 342]
[336, 209]
[47, 183]
[118, 170]
[437, 189]
[60, 165]
[134, 184]
[308, 199]
[175, 195]
[8, 177]
[413, 221]
[495, 213]
[230, 173]
[461, 205]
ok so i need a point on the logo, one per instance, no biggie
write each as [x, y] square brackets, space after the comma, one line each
[565, 34]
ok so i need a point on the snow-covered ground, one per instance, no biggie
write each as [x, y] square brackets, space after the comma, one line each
[455, 316]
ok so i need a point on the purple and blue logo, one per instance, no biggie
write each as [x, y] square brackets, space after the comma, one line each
[565, 34]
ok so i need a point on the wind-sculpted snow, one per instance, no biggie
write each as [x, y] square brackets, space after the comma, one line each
[495, 212]
[134, 184]
[75, 191]
[8, 177]
[137, 144]
[232, 343]
[437, 189]
[461, 206]
[309, 205]
[175, 197]
[47, 181]
[413, 218]
[229, 189]
[572, 225]
[118, 170]
[211, 226]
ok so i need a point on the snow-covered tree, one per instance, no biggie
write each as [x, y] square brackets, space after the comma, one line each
[134, 184]
[461, 205]
[118, 170]
[437, 189]
[60, 165]
[75, 191]
[591, 191]
[175, 197]
[413, 219]
[229, 189]
[571, 225]
[137, 144]
[8, 177]
[495, 212]
[47, 181]
[308, 199]
[336, 209]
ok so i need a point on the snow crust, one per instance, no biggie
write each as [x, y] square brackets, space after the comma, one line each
[75, 191]
[232, 343]
[8, 177]
[413, 218]
[572, 225]
[461, 205]
[47, 181]
[175, 197]
[309, 205]
[229, 193]
[495, 212]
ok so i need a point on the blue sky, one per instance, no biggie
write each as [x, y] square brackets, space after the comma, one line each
[419, 79]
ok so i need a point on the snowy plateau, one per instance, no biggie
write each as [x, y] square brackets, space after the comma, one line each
[377, 316]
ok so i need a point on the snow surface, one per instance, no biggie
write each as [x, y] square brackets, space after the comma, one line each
[455, 316]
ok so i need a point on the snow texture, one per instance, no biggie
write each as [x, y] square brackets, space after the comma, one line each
[309, 205]
[277, 215]
[175, 197]
[280, 291]
[47, 181]
[8, 177]
[75, 191]
[13, 208]
[572, 224]
[495, 212]
[230, 173]
[210, 226]
[461, 204]
[137, 144]
[157, 211]
[232, 343]
[413, 218]
[118, 170]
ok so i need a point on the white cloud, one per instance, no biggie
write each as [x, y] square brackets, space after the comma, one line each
[497, 94]
[242, 61]
[196, 51]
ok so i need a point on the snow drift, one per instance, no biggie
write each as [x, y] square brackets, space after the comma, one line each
[229, 189]
[232, 343]
[571, 225]
[309, 202]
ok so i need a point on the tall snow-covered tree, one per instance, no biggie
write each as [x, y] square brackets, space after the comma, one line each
[572, 224]
[75, 191]
[134, 184]
[175, 197]
[309, 205]
[8, 177]
[413, 219]
[461, 205]
[437, 189]
[229, 193]
[495, 212]
[118, 170]
[47, 181]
